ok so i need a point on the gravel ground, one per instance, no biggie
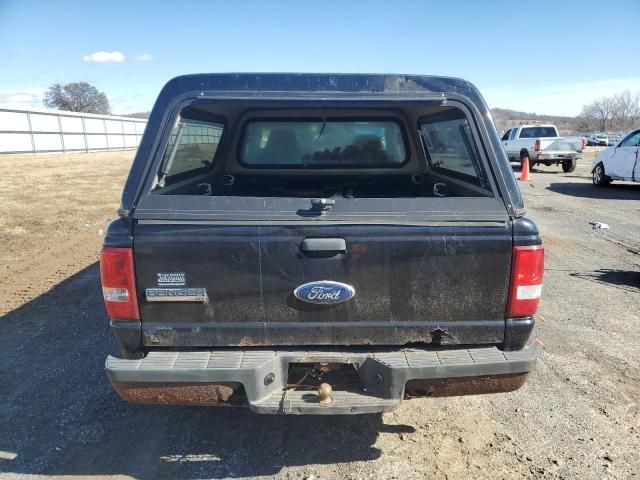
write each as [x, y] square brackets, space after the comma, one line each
[576, 418]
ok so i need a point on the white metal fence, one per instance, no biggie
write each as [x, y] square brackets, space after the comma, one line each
[36, 131]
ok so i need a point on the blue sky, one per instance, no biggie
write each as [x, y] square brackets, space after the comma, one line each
[539, 56]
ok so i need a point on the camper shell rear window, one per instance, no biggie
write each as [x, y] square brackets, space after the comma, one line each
[338, 153]
[323, 143]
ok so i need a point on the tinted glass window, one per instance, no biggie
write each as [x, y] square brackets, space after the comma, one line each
[450, 147]
[535, 132]
[192, 145]
[506, 135]
[632, 140]
[323, 144]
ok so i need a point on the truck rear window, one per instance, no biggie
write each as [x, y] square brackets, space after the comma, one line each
[315, 153]
[535, 132]
[192, 144]
[449, 145]
[323, 144]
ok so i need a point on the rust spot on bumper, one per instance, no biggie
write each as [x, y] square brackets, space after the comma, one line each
[440, 336]
[218, 394]
[450, 387]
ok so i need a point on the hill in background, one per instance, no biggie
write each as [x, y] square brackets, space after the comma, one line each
[144, 115]
[505, 118]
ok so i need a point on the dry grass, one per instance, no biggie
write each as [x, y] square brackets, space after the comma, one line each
[52, 213]
[53, 196]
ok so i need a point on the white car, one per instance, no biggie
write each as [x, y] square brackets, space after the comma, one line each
[620, 162]
[598, 140]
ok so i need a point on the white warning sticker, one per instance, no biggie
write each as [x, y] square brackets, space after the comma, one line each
[171, 279]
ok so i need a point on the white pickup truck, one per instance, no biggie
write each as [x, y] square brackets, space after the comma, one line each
[542, 144]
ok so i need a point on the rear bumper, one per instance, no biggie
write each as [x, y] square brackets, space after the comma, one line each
[214, 377]
[558, 157]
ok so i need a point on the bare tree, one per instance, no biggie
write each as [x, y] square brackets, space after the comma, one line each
[600, 113]
[583, 124]
[619, 112]
[627, 110]
[77, 97]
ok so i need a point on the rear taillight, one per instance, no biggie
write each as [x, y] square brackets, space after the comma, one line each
[527, 268]
[118, 283]
[537, 145]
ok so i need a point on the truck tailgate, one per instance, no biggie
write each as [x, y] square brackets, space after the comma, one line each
[564, 145]
[441, 283]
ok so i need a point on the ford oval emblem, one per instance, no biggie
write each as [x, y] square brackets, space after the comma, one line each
[324, 292]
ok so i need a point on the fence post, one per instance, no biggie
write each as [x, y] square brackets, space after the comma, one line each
[106, 134]
[33, 143]
[84, 134]
[61, 134]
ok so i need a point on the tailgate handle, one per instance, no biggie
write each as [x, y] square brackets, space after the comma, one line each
[323, 245]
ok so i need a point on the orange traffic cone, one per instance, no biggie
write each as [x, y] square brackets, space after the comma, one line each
[524, 174]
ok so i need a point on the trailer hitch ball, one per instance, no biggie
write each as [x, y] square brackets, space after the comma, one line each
[324, 394]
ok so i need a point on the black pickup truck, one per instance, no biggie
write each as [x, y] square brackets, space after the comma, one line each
[319, 244]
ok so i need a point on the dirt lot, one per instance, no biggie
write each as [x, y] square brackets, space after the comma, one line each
[578, 417]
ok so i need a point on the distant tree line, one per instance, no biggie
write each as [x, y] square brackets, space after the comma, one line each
[138, 115]
[505, 118]
[619, 112]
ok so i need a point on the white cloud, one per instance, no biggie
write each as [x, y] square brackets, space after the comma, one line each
[144, 57]
[29, 97]
[558, 98]
[104, 57]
